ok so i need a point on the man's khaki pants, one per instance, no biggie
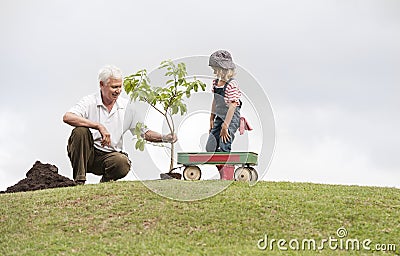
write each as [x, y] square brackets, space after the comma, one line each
[85, 158]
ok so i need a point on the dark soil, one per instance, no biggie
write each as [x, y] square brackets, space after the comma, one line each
[170, 175]
[41, 176]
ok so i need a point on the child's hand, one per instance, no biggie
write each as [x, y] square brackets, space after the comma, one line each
[225, 134]
[211, 125]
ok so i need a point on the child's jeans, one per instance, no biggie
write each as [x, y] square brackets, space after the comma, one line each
[214, 142]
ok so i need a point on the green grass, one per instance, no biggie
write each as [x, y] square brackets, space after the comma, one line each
[126, 218]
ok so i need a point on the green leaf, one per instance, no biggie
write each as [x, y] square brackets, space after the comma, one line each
[135, 95]
[141, 145]
[128, 86]
[203, 86]
[137, 144]
[138, 129]
[169, 81]
[150, 97]
[175, 109]
[183, 109]
[163, 64]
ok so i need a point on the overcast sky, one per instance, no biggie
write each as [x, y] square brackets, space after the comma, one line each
[330, 69]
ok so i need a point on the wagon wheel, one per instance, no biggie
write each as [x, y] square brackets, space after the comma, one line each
[243, 174]
[192, 173]
[254, 174]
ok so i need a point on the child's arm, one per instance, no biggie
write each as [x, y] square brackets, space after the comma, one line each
[212, 116]
[224, 131]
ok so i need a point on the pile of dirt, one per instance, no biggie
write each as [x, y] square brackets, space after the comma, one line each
[41, 176]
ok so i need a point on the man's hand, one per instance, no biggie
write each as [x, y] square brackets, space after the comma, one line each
[170, 138]
[75, 120]
[153, 136]
[105, 136]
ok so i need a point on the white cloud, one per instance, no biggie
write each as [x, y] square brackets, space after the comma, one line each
[12, 148]
[328, 146]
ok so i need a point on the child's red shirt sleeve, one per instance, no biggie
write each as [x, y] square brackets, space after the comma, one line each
[232, 92]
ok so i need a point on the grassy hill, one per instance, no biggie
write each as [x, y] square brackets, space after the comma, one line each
[126, 218]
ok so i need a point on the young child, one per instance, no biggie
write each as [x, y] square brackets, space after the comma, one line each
[225, 109]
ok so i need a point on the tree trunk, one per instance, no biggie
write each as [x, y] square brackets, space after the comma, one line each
[171, 165]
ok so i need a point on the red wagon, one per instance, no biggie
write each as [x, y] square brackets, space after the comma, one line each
[245, 160]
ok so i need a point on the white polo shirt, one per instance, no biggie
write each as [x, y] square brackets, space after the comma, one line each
[121, 118]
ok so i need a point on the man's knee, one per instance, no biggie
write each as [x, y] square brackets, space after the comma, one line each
[125, 164]
[122, 166]
[80, 132]
[80, 151]
[80, 137]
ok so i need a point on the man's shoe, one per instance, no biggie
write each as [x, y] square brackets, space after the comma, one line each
[80, 182]
[104, 180]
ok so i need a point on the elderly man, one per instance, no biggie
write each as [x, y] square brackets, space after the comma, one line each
[100, 120]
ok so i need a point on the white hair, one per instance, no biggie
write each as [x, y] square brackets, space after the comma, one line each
[108, 72]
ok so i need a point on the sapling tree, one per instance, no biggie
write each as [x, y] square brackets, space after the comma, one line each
[168, 100]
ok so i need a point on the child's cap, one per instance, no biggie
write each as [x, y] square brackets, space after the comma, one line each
[222, 59]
